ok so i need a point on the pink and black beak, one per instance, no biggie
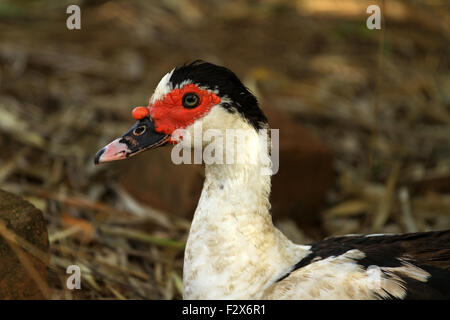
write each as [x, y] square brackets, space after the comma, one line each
[142, 136]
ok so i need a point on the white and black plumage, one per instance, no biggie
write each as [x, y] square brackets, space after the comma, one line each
[233, 250]
[427, 254]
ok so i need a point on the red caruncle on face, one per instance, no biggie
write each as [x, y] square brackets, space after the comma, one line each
[169, 113]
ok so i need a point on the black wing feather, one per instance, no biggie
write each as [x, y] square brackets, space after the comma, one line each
[429, 251]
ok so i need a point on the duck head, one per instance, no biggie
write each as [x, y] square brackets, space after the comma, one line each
[199, 92]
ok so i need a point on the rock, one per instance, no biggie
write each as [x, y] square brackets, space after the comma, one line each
[298, 189]
[23, 219]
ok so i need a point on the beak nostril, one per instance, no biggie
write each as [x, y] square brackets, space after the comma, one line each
[139, 130]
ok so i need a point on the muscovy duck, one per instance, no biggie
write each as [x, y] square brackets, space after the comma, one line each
[233, 250]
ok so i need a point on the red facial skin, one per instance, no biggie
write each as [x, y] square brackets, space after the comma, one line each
[169, 114]
[140, 112]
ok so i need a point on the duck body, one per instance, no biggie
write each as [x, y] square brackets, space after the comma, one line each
[404, 266]
[233, 250]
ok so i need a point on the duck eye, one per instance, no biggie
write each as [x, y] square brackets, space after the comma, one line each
[190, 100]
[139, 130]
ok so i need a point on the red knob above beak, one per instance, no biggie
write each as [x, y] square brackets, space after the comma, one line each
[139, 113]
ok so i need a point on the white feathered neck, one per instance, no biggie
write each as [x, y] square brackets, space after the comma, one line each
[233, 249]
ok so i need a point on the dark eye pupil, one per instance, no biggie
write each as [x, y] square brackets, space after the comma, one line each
[190, 100]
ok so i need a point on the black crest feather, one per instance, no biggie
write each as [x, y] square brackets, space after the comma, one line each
[227, 84]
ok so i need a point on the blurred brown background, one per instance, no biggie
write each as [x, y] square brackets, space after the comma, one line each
[364, 118]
